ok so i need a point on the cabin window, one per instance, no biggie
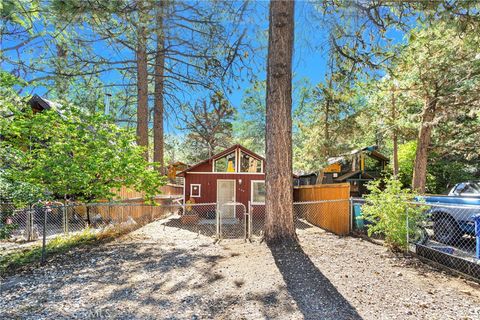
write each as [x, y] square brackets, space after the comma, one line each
[249, 163]
[225, 163]
[195, 190]
[258, 191]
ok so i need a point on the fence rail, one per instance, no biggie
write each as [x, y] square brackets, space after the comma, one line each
[445, 234]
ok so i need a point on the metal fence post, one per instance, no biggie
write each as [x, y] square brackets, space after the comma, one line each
[408, 234]
[29, 227]
[250, 220]
[44, 236]
[65, 219]
[247, 222]
[217, 216]
[352, 215]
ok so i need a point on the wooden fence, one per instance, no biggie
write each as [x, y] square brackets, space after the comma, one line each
[130, 195]
[137, 211]
[136, 207]
[333, 216]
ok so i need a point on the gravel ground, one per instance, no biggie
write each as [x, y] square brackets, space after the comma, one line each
[171, 273]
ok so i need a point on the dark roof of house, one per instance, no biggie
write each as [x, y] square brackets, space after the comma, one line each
[221, 154]
[378, 155]
[306, 175]
[41, 104]
[370, 150]
[351, 174]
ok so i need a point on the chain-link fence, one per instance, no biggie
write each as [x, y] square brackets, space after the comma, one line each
[39, 224]
[219, 221]
[443, 233]
[30, 224]
[331, 215]
[446, 234]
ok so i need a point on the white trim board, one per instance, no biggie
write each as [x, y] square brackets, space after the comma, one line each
[199, 190]
[251, 191]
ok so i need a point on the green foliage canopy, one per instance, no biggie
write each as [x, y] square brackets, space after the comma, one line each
[67, 152]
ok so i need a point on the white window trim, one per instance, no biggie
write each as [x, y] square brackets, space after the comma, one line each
[215, 160]
[238, 155]
[199, 190]
[251, 191]
[252, 156]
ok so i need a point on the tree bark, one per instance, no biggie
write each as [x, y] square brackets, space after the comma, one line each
[279, 221]
[158, 108]
[142, 81]
[395, 136]
[423, 143]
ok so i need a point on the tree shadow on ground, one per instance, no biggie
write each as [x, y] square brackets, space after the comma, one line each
[313, 293]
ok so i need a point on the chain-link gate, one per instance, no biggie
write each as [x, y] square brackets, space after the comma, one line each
[232, 221]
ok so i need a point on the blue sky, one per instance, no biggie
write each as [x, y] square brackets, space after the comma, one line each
[310, 52]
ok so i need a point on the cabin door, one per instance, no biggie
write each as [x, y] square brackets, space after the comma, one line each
[226, 194]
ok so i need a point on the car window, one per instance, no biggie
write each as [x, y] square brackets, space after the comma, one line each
[471, 189]
[460, 188]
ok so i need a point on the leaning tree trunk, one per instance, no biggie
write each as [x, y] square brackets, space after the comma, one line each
[142, 83]
[423, 143]
[279, 223]
[158, 108]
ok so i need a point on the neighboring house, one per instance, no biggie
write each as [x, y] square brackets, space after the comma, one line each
[233, 175]
[305, 179]
[357, 168]
[38, 104]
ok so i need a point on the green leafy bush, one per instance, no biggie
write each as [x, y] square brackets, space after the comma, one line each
[5, 228]
[387, 208]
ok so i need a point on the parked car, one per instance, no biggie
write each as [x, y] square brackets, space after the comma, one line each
[452, 215]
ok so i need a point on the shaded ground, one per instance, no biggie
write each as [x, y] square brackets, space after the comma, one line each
[162, 272]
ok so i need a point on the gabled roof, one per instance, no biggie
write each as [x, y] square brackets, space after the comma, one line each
[371, 151]
[221, 154]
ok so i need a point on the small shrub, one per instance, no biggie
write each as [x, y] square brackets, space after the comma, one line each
[5, 228]
[387, 209]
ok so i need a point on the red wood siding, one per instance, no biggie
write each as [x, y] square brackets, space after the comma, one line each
[208, 182]
[204, 167]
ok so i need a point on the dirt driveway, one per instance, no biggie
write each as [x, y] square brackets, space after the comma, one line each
[170, 273]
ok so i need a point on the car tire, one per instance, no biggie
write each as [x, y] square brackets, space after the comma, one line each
[446, 230]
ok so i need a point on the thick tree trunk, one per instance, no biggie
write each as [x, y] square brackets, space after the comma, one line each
[279, 224]
[326, 143]
[158, 107]
[423, 143]
[142, 83]
[395, 136]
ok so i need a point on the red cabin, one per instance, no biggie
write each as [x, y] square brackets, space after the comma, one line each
[233, 175]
